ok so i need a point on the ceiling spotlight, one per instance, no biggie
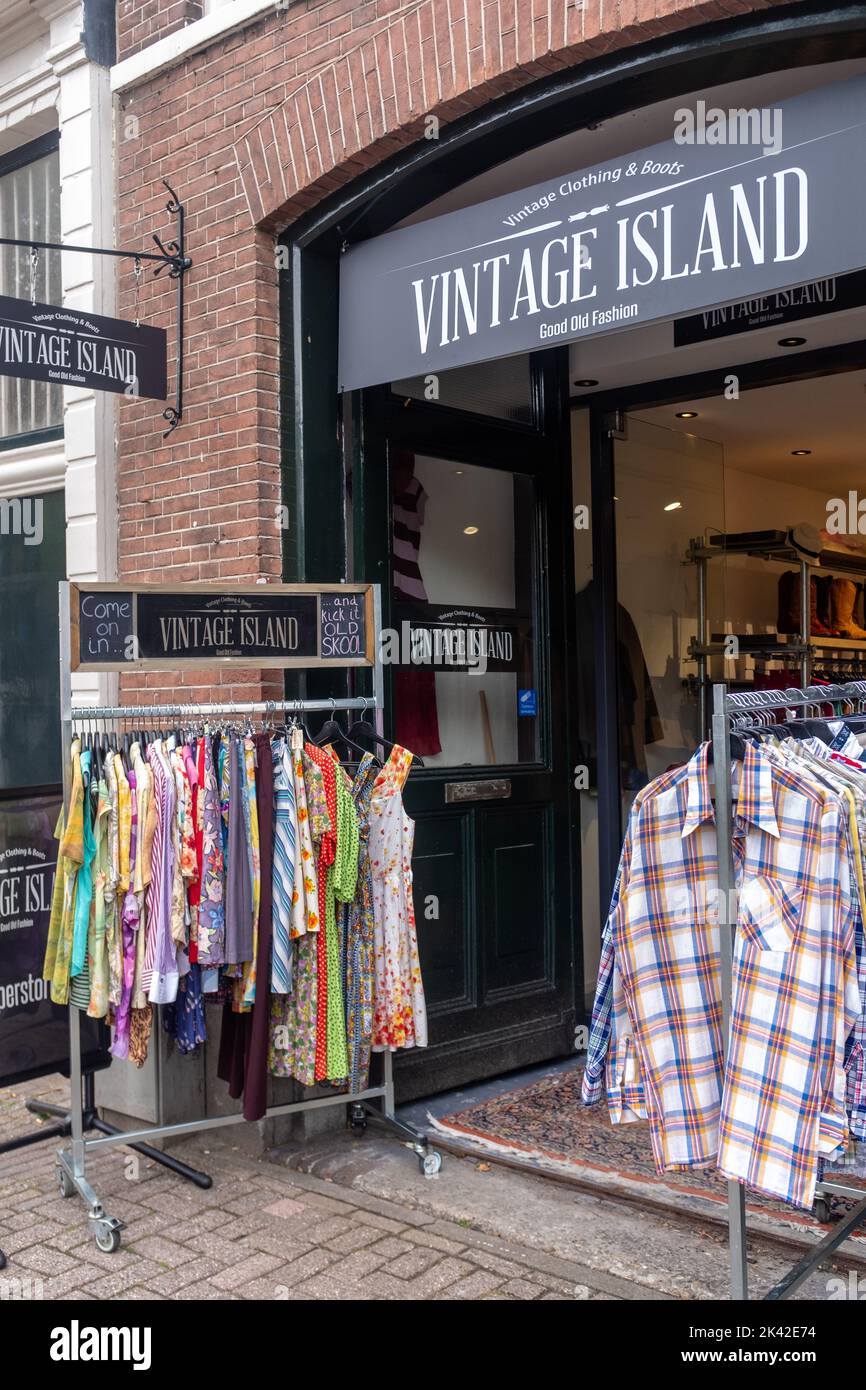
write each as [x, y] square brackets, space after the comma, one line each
[586, 381]
[687, 415]
[673, 506]
[791, 342]
[798, 453]
[470, 530]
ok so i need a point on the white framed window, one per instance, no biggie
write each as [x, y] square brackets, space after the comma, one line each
[30, 206]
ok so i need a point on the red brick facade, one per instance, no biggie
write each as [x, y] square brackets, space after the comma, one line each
[252, 131]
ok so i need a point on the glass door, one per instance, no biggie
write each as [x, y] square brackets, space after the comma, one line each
[477, 518]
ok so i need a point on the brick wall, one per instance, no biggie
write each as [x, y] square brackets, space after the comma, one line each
[252, 131]
[142, 22]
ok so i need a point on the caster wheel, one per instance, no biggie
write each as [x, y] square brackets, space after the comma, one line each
[430, 1163]
[358, 1126]
[65, 1183]
[107, 1239]
[821, 1210]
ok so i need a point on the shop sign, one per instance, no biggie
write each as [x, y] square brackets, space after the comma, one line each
[67, 347]
[268, 625]
[664, 231]
[457, 639]
[34, 1033]
[830, 296]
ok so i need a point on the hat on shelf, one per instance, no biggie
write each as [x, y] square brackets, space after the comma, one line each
[806, 539]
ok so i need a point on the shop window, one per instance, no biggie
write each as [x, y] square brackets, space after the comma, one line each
[29, 206]
[670, 487]
[500, 390]
[32, 562]
[463, 622]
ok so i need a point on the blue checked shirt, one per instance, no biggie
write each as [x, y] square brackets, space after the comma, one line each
[778, 1103]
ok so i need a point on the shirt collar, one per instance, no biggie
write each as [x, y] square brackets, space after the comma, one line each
[755, 802]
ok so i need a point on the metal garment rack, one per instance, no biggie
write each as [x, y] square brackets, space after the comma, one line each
[737, 706]
[375, 1102]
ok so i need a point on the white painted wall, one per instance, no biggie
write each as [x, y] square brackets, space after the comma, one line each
[47, 82]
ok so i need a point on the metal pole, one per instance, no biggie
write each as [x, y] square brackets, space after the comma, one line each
[75, 1094]
[805, 620]
[702, 638]
[727, 885]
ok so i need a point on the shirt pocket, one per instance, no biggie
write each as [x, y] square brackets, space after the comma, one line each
[770, 912]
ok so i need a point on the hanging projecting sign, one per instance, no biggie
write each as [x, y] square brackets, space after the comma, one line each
[69, 347]
[264, 625]
[664, 231]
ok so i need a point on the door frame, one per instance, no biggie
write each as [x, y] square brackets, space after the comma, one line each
[604, 406]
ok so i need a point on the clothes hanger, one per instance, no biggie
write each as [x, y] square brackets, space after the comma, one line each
[362, 728]
[333, 732]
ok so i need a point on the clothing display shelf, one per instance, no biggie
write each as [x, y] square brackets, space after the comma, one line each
[376, 1102]
[801, 649]
[741, 711]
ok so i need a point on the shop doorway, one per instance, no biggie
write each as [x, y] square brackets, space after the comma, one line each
[472, 506]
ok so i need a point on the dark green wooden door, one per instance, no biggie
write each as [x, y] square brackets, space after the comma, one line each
[465, 521]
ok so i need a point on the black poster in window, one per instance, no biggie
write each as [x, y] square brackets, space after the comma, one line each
[34, 1033]
[446, 638]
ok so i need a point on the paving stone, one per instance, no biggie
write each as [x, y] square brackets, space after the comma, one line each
[169, 1253]
[413, 1263]
[308, 1265]
[43, 1260]
[522, 1289]
[383, 1223]
[285, 1206]
[475, 1285]
[354, 1239]
[108, 1285]
[437, 1242]
[276, 1244]
[392, 1247]
[441, 1276]
[359, 1264]
[205, 1293]
[169, 1284]
[253, 1267]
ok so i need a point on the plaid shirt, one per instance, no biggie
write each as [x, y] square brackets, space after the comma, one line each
[779, 1102]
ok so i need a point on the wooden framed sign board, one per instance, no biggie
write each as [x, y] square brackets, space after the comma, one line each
[164, 626]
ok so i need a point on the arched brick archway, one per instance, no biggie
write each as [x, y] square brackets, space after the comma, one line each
[437, 57]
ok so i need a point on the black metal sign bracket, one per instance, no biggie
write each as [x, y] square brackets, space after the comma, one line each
[171, 256]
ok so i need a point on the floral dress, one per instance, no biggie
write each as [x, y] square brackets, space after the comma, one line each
[400, 1014]
[357, 937]
[292, 1050]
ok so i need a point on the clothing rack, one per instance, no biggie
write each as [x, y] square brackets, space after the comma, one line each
[376, 1102]
[733, 708]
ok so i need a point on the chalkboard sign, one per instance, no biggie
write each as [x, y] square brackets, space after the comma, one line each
[34, 1033]
[265, 625]
[344, 626]
[105, 626]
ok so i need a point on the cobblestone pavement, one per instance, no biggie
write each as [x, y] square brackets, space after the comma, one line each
[347, 1219]
[261, 1232]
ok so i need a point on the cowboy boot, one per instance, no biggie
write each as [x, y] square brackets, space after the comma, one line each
[860, 607]
[824, 583]
[843, 597]
[816, 626]
[789, 605]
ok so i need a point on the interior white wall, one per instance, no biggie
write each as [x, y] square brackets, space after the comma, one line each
[469, 572]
